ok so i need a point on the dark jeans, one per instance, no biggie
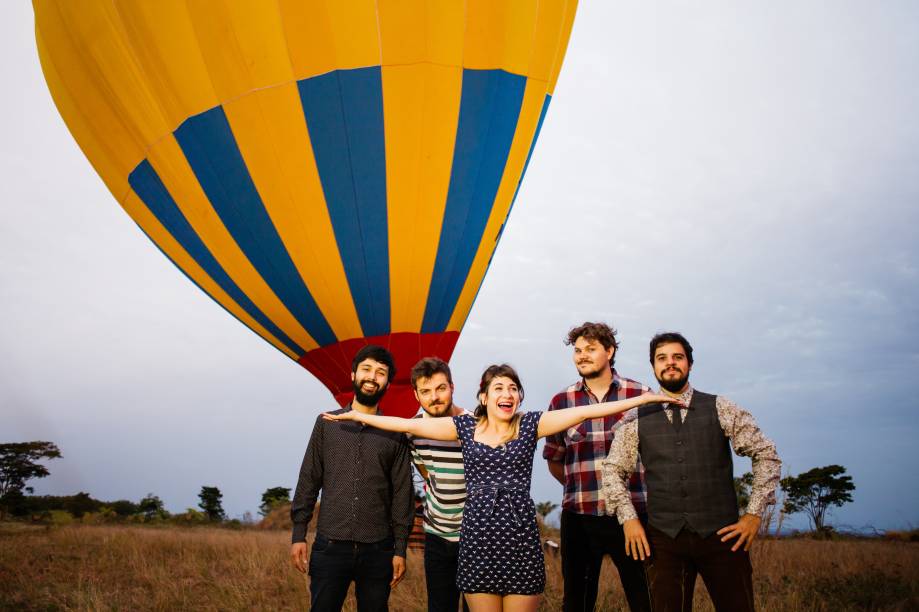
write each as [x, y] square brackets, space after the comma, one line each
[334, 564]
[675, 562]
[586, 539]
[440, 557]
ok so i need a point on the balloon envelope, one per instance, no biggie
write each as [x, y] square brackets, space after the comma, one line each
[332, 173]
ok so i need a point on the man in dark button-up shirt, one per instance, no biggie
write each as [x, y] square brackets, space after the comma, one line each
[367, 507]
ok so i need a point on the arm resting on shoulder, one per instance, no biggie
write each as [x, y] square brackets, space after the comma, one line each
[554, 421]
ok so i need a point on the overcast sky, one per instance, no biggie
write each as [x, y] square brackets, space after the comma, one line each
[746, 173]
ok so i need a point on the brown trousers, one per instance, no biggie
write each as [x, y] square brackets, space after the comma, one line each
[675, 562]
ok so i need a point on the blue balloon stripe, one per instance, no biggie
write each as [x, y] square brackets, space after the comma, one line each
[344, 116]
[211, 150]
[489, 110]
[147, 185]
[526, 164]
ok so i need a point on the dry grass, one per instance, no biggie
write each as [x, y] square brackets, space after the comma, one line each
[139, 568]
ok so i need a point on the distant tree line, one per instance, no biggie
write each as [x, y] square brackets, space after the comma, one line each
[20, 462]
[813, 493]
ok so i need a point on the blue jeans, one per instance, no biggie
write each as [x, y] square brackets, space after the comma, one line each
[334, 564]
[440, 558]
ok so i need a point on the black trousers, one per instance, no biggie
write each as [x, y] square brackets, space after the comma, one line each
[334, 564]
[675, 562]
[440, 559]
[586, 539]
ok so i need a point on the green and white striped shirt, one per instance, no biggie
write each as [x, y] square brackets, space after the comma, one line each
[445, 487]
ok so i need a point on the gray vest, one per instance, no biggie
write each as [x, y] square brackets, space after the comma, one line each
[689, 470]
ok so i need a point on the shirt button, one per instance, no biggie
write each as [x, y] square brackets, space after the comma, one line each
[679, 460]
[684, 477]
[679, 443]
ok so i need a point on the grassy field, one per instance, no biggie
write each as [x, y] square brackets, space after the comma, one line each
[84, 567]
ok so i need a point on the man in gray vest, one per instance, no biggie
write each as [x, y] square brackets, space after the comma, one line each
[694, 525]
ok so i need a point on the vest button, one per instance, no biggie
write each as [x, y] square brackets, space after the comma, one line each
[679, 460]
[679, 443]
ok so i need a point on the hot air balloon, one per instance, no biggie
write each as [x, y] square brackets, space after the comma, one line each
[332, 173]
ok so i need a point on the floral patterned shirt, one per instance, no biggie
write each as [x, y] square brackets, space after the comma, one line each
[746, 438]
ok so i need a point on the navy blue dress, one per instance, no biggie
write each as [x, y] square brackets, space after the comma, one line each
[500, 549]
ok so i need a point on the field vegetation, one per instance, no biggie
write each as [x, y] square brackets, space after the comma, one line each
[82, 566]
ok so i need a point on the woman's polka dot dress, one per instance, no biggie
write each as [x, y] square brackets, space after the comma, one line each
[500, 549]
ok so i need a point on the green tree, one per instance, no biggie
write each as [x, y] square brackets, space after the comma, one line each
[124, 507]
[814, 491]
[544, 509]
[742, 487]
[18, 465]
[272, 498]
[152, 507]
[80, 504]
[211, 503]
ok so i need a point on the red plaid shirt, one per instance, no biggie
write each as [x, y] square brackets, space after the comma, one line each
[582, 448]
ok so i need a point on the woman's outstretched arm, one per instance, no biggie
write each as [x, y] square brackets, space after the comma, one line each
[555, 421]
[436, 428]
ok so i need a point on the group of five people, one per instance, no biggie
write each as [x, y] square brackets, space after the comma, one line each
[648, 480]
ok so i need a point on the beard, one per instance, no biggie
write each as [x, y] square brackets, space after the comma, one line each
[438, 410]
[368, 399]
[674, 385]
[590, 374]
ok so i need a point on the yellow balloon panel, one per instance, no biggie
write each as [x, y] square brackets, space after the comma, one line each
[332, 173]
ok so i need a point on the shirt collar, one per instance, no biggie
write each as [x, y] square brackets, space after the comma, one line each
[581, 385]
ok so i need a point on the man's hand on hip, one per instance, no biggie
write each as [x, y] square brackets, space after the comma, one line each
[636, 543]
[398, 570]
[746, 527]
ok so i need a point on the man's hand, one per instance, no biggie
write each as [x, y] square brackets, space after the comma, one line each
[746, 527]
[557, 469]
[636, 544]
[298, 556]
[398, 570]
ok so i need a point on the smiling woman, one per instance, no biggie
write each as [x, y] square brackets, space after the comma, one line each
[501, 562]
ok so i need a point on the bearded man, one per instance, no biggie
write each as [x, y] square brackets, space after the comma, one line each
[440, 463]
[367, 507]
[694, 526]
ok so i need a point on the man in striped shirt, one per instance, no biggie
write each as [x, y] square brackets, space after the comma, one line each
[441, 465]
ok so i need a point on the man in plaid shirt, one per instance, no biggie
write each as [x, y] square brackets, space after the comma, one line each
[574, 457]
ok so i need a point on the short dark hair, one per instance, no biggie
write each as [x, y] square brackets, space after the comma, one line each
[377, 353]
[599, 332]
[667, 337]
[428, 367]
